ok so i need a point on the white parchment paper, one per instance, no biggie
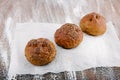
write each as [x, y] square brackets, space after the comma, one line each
[94, 51]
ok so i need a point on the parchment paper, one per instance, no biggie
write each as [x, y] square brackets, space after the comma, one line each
[94, 51]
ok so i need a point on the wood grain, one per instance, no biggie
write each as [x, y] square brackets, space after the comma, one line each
[50, 11]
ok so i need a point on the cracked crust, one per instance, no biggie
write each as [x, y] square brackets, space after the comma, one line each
[68, 36]
[93, 24]
[40, 51]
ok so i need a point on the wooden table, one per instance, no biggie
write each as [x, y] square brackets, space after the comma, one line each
[51, 11]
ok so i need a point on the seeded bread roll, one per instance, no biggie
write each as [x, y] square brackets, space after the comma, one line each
[40, 51]
[68, 36]
[93, 24]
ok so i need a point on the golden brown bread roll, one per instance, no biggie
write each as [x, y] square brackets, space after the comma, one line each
[40, 51]
[93, 24]
[68, 36]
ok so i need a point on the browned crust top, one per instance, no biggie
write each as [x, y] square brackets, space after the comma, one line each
[40, 51]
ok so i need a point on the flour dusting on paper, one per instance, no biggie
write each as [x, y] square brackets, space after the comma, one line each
[94, 51]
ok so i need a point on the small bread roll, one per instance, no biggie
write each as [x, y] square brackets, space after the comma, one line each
[68, 36]
[93, 24]
[40, 51]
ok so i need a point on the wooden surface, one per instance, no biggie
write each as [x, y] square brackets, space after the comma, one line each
[51, 11]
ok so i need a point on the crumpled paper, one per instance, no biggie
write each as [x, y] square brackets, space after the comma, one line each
[94, 51]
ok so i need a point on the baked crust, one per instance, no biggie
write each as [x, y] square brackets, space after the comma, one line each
[40, 51]
[93, 24]
[68, 36]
